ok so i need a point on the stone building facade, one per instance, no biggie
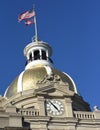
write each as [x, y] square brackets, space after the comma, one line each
[44, 98]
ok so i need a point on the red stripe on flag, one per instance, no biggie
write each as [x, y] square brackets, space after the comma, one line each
[25, 15]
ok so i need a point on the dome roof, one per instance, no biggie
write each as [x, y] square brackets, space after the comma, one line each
[27, 80]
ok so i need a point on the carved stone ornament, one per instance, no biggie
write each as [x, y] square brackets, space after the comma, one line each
[51, 80]
[96, 108]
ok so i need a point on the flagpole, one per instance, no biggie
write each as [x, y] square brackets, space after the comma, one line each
[36, 33]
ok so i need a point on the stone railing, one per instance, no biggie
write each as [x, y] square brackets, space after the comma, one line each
[84, 115]
[28, 112]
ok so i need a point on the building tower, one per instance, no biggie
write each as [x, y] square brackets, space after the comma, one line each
[44, 98]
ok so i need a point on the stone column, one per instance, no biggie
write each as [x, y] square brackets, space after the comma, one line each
[41, 104]
[68, 106]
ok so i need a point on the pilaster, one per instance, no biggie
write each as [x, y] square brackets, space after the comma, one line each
[68, 106]
[41, 104]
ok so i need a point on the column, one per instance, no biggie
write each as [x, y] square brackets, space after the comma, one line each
[68, 106]
[41, 104]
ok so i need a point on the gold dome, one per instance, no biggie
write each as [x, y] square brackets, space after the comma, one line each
[30, 78]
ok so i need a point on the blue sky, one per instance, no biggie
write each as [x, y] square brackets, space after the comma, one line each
[71, 27]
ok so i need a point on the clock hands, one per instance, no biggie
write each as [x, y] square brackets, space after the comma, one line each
[54, 106]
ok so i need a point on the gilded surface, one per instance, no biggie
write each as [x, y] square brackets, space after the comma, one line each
[12, 88]
[32, 76]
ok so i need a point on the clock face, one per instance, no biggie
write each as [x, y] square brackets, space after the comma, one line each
[55, 107]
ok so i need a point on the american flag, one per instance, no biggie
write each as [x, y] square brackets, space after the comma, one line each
[28, 22]
[26, 15]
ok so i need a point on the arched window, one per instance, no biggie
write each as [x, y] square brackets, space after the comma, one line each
[36, 55]
[44, 55]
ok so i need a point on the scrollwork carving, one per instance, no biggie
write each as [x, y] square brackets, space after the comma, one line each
[51, 80]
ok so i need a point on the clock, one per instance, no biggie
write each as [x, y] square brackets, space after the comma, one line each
[54, 107]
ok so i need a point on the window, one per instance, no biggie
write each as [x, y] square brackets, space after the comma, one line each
[44, 55]
[36, 55]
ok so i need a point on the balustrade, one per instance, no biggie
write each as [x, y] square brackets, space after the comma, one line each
[84, 115]
[28, 112]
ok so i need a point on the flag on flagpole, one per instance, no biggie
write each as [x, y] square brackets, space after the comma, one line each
[27, 18]
[26, 15]
[28, 22]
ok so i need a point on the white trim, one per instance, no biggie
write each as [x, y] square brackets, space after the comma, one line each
[20, 82]
[48, 69]
[38, 62]
[72, 82]
[6, 91]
